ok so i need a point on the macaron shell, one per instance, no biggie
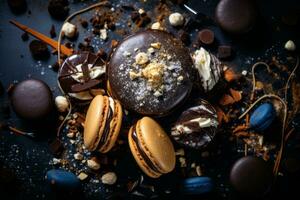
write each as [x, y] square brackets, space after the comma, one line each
[115, 126]
[94, 121]
[154, 139]
[142, 164]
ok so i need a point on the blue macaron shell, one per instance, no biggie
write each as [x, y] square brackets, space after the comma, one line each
[262, 117]
[197, 185]
[61, 179]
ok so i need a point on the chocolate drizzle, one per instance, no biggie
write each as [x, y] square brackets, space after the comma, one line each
[142, 153]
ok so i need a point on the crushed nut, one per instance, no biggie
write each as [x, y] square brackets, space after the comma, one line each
[156, 45]
[153, 72]
[134, 75]
[109, 178]
[151, 50]
[71, 135]
[182, 162]
[62, 104]
[78, 156]
[180, 152]
[198, 170]
[290, 46]
[93, 164]
[141, 58]
[156, 26]
[82, 176]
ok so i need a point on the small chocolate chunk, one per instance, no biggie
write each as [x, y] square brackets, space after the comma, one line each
[39, 50]
[224, 51]
[55, 66]
[17, 6]
[85, 47]
[84, 23]
[52, 32]
[56, 147]
[128, 7]
[184, 37]
[25, 36]
[102, 54]
[206, 36]
[58, 9]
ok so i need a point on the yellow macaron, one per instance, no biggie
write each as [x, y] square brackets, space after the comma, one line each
[102, 124]
[151, 147]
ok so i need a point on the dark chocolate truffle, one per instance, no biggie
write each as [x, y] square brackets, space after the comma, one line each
[81, 75]
[58, 9]
[251, 176]
[236, 17]
[39, 50]
[197, 126]
[150, 73]
[32, 99]
[17, 6]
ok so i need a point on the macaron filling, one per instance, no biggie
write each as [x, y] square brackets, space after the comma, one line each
[149, 163]
[107, 127]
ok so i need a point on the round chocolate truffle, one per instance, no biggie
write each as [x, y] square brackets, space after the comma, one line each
[150, 72]
[81, 75]
[32, 99]
[236, 17]
[197, 126]
[251, 176]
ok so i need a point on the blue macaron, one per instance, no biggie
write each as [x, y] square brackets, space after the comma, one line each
[262, 117]
[61, 179]
[197, 185]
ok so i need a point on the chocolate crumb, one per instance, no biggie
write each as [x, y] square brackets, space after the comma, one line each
[224, 51]
[135, 16]
[39, 50]
[102, 54]
[55, 66]
[84, 23]
[56, 147]
[52, 32]
[25, 36]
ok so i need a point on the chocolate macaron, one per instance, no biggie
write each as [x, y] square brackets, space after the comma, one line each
[151, 147]
[32, 99]
[102, 124]
[236, 17]
[150, 72]
[81, 76]
[197, 126]
[251, 176]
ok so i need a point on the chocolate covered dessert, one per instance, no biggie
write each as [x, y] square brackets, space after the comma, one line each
[210, 69]
[81, 76]
[150, 73]
[197, 126]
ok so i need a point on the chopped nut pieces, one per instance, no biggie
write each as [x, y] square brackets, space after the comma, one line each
[82, 176]
[141, 58]
[69, 30]
[109, 178]
[78, 156]
[153, 72]
[93, 164]
[156, 45]
[134, 75]
[156, 26]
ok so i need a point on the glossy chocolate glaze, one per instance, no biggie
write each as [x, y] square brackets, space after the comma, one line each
[68, 68]
[236, 16]
[141, 152]
[125, 90]
[194, 135]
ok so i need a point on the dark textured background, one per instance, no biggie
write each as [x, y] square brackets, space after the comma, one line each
[29, 158]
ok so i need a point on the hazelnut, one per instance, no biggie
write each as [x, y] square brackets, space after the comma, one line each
[93, 164]
[62, 103]
[176, 19]
[290, 46]
[69, 30]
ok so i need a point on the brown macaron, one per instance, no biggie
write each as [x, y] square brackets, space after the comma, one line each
[151, 147]
[102, 124]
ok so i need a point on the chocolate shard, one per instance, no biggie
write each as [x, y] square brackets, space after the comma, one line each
[85, 86]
